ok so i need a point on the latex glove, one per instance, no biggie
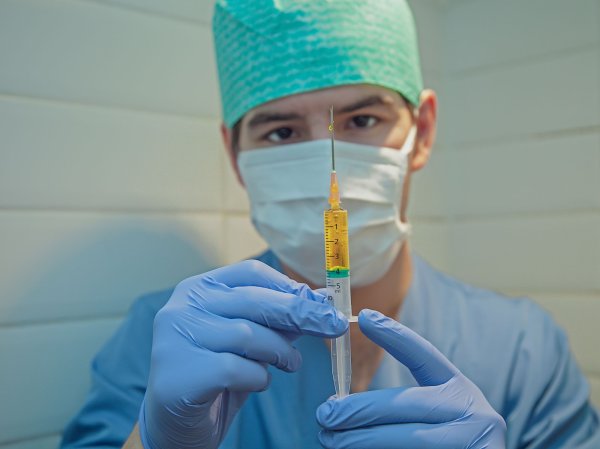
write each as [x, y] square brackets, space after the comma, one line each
[212, 343]
[445, 411]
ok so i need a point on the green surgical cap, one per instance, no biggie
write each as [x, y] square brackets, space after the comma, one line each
[268, 49]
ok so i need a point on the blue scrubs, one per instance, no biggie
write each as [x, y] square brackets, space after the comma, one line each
[510, 348]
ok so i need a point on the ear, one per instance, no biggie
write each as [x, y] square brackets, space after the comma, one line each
[226, 135]
[426, 121]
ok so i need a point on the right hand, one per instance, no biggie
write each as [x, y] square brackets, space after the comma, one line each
[212, 343]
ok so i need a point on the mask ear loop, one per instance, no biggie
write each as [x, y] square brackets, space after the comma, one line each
[407, 148]
[409, 143]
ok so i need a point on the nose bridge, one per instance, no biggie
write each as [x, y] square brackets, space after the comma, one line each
[318, 125]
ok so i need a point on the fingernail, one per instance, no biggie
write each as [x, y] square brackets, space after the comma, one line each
[321, 291]
[269, 378]
[320, 295]
[324, 412]
[378, 316]
[342, 321]
[297, 363]
[369, 314]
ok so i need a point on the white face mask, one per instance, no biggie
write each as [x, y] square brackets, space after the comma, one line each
[288, 188]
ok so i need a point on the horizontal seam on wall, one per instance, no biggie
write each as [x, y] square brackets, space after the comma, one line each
[61, 321]
[32, 437]
[523, 62]
[525, 138]
[114, 211]
[592, 213]
[149, 12]
[104, 107]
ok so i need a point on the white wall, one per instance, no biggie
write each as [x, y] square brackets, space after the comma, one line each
[113, 182]
[520, 132]
[111, 185]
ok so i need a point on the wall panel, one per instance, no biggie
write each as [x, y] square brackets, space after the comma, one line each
[39, 394]
[59, 156]
[56, 266]
[86, 52]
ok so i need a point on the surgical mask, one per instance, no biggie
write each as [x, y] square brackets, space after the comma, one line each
[288, 188]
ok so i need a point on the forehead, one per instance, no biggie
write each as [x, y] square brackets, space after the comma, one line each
[318, 101]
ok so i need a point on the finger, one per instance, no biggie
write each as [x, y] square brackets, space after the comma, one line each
[246, 339]
[256, 273]
[427, 365]
[277, 310]
[235, 373]
[199, 375]
[392, 406]
[406, 436]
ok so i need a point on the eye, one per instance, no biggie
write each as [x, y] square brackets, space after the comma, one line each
[363, 121]
[280, 134]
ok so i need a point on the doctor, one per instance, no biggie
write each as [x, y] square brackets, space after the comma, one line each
[236, 357]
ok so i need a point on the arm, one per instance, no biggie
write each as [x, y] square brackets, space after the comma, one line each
[553, 390]
[119, 374]
[185, 371]
[212, 344]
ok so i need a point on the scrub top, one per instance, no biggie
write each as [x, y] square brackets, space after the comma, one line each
[510, 348]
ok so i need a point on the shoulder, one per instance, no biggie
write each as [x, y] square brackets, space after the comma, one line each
[478, 309]
[490, 316]
[503, 344]
[146, 306]
[514, 351]
[124, 357]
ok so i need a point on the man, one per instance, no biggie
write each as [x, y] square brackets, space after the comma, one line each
[236, 358]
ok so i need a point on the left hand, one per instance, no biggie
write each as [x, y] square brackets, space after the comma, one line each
[446, 410]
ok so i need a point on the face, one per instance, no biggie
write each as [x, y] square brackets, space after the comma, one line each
[364, 114]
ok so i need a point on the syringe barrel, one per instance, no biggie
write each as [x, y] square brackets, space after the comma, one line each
[337, 265]
[338, 294]
[341, 365]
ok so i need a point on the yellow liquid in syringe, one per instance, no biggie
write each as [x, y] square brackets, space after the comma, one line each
[337, 258]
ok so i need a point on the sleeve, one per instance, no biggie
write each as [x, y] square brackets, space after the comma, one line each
[119, 375]
[551, 395]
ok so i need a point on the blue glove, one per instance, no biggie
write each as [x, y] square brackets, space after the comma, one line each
[445, 411]
[212, 343]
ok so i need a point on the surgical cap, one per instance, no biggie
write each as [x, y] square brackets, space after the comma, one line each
[268, 49]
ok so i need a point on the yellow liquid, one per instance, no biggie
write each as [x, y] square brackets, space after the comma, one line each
[336, 240]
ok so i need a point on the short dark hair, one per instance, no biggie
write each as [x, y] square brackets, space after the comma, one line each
[235, 137]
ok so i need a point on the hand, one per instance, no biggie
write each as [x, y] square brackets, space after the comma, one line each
[212, 343]
[446, 411]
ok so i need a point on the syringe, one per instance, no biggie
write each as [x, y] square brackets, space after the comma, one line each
[337, 265]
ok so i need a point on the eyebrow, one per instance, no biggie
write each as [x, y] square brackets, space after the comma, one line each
[373, 100]
[268, 117]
